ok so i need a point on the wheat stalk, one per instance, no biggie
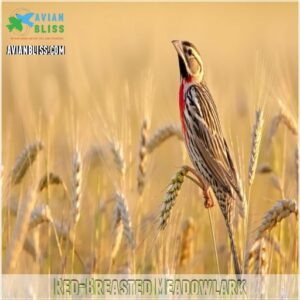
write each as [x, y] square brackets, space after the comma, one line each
[76, 186]
[171, 195]
[162, 134]
[142, 157]
[255, 145]
[126, 220]
[25, 159]
[20, 231]
[275, 245]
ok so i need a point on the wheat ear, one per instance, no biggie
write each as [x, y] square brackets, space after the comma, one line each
[273, 127]
[40, 214]
[282, 209]
[255, 145]
[126, 220]
[49, 179]
[186, 249]
[76, 186]
[118, 158]
[142, 157]
[118, 230]
[261, 259]
[23, 162]
[171, 195]
[287, 119]
[162, 134]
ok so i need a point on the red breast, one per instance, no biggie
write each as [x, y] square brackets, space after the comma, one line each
[182, 102]
[181, 106]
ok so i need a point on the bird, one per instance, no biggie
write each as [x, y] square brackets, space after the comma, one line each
[205, 142]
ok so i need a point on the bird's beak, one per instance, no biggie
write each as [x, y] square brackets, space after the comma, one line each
[179, 49]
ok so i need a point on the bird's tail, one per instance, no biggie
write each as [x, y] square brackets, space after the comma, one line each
[236, 261]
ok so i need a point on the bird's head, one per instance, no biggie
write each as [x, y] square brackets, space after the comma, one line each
[190, 63]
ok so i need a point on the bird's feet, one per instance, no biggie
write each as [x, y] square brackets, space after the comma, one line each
[207, 192]
[208, 198]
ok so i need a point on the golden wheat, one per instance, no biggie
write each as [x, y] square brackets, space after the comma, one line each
[118, 229]
[118, 158]
[142, 157]
[24, 161]
[162, 134]
[282, 209]
[186, 245]
[126, 220]
[255, 145]
[171, 195]
[287, 119]
[48, 179]
[40, 214]
[76, 186]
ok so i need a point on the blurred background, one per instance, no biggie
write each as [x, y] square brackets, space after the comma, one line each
[120, 68]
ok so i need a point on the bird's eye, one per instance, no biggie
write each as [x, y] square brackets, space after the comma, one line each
[189, 52]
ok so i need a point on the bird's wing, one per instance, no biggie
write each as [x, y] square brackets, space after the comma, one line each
[208, 136]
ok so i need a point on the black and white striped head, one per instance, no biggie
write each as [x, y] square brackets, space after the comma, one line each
[190, 63]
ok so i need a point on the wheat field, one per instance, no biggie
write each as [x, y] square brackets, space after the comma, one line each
[93, 178]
